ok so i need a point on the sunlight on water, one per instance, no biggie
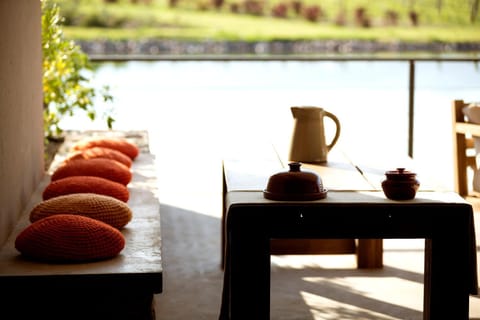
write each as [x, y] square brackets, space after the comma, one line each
[207, 109]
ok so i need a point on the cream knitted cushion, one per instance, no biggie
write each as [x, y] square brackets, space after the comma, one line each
[86, 184]
[119, 144]
[69, 238]
[99, 167]
[100, 152]
[100, 207]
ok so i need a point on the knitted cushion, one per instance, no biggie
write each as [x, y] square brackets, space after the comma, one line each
[99, 167]
[86, 184]
[119, 144]
[69, 238]
[104, 208]
[100, 152]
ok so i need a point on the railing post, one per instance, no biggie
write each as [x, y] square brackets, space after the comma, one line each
[411, 102]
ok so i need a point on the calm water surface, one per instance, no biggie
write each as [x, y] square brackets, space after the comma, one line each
[209, 109]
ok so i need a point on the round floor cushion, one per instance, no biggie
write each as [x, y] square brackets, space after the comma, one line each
[86, 184]
[120, 144]
[100, 207]
[69, 238]
[100, 152]
[99, 167]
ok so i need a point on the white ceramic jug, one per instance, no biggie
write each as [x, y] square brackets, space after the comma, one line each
[308, 139]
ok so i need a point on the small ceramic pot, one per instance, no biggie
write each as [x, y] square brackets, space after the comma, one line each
[400, 184]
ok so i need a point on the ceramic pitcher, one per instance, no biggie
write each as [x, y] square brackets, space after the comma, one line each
[308, 142]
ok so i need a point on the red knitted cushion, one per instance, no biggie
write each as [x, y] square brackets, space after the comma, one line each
[86, 184]
[119, 144]
[69, 238]
[100, 152]
[99, 167]
[100, 207]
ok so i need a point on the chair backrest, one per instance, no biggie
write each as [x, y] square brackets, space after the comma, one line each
[462, 144]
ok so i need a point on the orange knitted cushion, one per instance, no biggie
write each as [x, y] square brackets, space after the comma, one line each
[100, 207]
[100, 152]
[69, 238]
[119, 144]
[86, 184]
[99, 167]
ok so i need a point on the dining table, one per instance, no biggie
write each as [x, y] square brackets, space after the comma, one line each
[355, 207]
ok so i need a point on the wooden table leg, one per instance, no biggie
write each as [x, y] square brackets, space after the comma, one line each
[446, 284]
[370, 253]
[246, 292]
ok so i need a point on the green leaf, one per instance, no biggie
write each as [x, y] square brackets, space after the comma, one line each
[66, 70]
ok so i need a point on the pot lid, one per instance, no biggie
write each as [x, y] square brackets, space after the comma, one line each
[295, 184]
[400, 174]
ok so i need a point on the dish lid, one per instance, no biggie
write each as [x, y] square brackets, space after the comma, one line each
[295, 184]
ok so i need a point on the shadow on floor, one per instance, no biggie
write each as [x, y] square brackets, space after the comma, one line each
[193, 279]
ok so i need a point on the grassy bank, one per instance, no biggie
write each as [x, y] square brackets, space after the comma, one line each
[200, 20]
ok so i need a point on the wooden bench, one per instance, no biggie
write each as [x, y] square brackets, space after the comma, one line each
[463, 148]
[118, 288]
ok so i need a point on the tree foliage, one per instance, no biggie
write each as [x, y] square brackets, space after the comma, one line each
[66, 85]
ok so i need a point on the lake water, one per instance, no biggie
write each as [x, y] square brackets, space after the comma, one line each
[206, 109]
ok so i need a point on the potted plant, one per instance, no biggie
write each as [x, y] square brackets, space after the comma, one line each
[66, 86]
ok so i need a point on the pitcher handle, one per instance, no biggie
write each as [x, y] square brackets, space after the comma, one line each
[337, 129]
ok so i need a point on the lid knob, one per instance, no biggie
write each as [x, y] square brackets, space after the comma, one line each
[294, 166]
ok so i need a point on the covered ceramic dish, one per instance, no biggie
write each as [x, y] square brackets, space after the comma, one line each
[400, 184]
[295, 184]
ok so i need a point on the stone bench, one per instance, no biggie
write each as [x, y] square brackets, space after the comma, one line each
[118, 288]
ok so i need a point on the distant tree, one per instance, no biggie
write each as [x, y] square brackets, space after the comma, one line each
[474, 11]
[439, 5]
[297, 6]
[280, 10]
[66, 87]
[341, 18]
[217, 4]
[312, 12]
[391, 17]
[413, 15]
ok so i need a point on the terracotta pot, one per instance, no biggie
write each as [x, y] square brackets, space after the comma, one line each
[400, 184]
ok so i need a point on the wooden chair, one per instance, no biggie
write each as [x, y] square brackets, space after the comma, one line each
[463, 149]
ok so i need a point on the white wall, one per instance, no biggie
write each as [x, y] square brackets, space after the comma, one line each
[21, 120]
